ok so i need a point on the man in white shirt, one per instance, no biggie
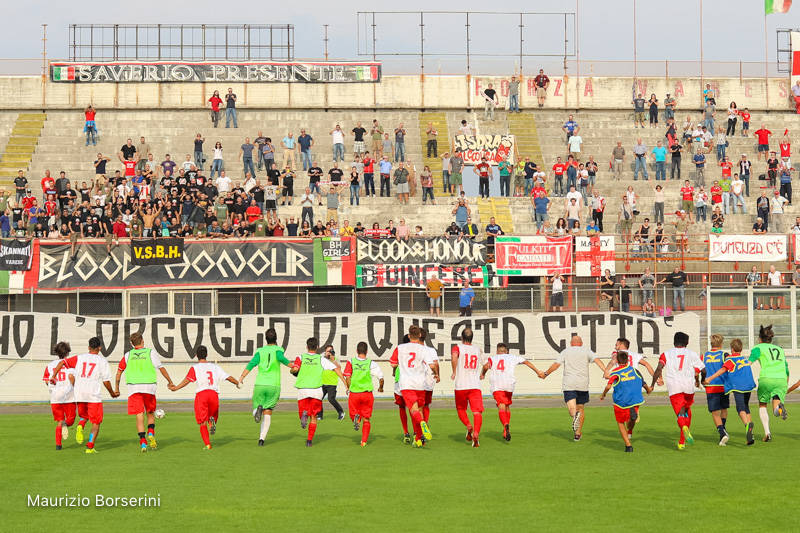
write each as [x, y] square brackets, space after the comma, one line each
[337, 138]
[737, 194]
[776, 212]
[575, 142]
[223, 184]
[502, 380]
[411, 361]
[775, 279]
[680, 367]
[576, 360]
[467, 362]
[307, 203]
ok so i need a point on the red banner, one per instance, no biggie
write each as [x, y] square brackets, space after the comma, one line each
[535, 255]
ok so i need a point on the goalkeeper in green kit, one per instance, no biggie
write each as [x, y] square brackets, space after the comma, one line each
[773, 380]
[267, 389]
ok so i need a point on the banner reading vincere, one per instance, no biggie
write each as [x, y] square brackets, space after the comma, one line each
[533, 255]
[223, 71]
[31, 336]
[417, 276]
[771, 247]
[421, 250]
[494, 148]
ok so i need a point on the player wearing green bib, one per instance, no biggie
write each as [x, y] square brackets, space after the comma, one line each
[267, 389]
[773, 379]
[358, 374]
[308, 368]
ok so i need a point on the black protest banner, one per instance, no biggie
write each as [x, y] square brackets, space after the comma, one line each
[417, 276]
[422, 250]
[16, 254]
[227, 71]
[175, 338]
[205, 263]
[153, 252]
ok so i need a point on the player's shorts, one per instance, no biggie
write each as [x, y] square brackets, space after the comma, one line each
[768, 388]
[411, 397]
[360, 403]
[717, 401]
[141, 402]
[266, 396]
[206, 405]
[681, 400]
[398, 400]
[580, 396]
[63, 411]
[502, 397]
[428, 397]
[91, 411]
[624, 414]
[311, 406]
[473, 397]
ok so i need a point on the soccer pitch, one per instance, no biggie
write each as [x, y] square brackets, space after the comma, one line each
[540, 480]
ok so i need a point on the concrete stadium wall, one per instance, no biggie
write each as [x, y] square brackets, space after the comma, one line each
[393, 92]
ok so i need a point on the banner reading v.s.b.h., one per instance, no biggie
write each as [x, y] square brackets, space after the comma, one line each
[160, 251]
[175, 338]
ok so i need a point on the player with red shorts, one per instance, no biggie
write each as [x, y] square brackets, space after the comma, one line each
[467, 362]
[502, 379]
[409, 359]
[91, 371]
[62, 399]
[208, 376]
[681, 367]
[358, 374]
[140, 365]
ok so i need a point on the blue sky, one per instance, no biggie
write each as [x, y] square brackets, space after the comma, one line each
[733, 29]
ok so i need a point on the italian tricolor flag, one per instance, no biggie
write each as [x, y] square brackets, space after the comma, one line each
[777, 6]
[63, 73]
[12, 281]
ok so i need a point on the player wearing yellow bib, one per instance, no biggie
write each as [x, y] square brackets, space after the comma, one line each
[773, 379]
[358, 374]
[267, 389]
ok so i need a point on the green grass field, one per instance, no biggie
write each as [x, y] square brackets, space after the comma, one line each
[541, 480]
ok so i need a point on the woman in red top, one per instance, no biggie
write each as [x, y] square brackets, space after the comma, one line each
[215, 101]
[90, 127]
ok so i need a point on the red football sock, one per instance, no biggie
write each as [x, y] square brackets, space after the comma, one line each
[82, 422]
[404, 420]
[462, 415]
[365, 431]
[311, 429]
[426, 413]
[478, 419]
[58, 436]
[416, 420]
[204, 434]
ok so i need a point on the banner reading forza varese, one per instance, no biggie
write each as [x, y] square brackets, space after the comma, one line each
[31, 335]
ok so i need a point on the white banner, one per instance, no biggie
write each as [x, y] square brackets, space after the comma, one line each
[747, 248]
[494, 148]
[31, 336]
[594, 255]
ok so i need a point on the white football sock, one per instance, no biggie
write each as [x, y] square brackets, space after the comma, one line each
[764, 416]
[265, 421]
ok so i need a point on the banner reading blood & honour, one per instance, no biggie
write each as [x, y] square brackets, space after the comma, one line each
[771, 247]
[533, 255]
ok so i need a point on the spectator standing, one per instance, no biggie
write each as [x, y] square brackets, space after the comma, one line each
[305, 141]
[259, 142]
[638, 111]
[490, 102]
[557, 293]
[400, 143]
[426, 182]
[542, 82]
[679, 281]
[505, 168]
[230, 109]
[575, 142]
[400, 179]
[721, 141]
[763, 208]
[432, 143]
[653, 111]
[337, 138]
[775, 280]
[386, 171]
[355, 186]
[737, 195]
[598, 207]
[215, 101]
[733, 115]
[513, 95]
[376, 133]
[268, 153]
[660, 157]
[624, 296]
[640, 158]
[700, 168]
[618, 160]
[142, 150]
[289, 144]
[744, 173]
[669, 107]
[772, 169]
[709, 112]
[483, 170]
[777, 204]
[387, 148]
[466, 129]
[359, 146]
[461, 212]
[334, 190]
[446, 187]
[433, 290]
[369, 175]
[570, 128]
[466, 297]
[675, 166]
[540, 204]
[217, 162]
[307, 207]
[762, 134]
[20, 185]
[647, 283]
[786, 184]
[89, 125]
[199, 158]
[246, 155]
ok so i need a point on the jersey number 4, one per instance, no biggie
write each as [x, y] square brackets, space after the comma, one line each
[84, 373]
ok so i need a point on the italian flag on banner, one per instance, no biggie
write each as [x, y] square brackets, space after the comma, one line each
[11, 282]
[777, 6]
[63, 73]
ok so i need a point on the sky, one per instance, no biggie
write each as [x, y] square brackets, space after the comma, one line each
[733, 30]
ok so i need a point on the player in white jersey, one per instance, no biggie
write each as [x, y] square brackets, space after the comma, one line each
[431, 377]
[467, 362]
[502, 379]
[681, 368]
[411, 361]
[91, 374]
[208, 376]
[62, 399]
